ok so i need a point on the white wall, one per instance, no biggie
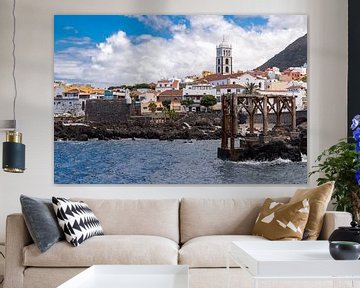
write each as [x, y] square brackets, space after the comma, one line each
[327, 53]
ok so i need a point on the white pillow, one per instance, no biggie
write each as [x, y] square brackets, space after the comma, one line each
[76, 220]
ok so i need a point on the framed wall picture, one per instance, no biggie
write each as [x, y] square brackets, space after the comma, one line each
[180, 99]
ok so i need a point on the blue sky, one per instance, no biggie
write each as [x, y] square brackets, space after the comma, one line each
[138, 48]
[99, 27]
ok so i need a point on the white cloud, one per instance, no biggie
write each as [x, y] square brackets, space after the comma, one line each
[154, 21]
[75, 40]
[286, 21]
[72, 63]
[126, 60]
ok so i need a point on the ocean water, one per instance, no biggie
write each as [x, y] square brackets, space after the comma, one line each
[164, 162]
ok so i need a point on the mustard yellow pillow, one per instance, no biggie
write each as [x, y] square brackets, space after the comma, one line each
[279, 221]
[319, 198]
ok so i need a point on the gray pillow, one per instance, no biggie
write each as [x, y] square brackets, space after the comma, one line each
[41, 221]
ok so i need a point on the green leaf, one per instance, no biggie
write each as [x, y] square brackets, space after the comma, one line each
[339, 163]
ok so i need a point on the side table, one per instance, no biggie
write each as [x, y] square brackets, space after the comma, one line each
[295, 264]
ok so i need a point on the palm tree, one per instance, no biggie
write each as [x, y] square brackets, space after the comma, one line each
[250, 88]
[152, 107]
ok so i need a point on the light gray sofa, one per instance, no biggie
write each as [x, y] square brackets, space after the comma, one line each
[194, 232]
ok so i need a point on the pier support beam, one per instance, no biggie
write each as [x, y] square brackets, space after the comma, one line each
[234, 122]
[293, 114]
[224, 130]
[265, 115]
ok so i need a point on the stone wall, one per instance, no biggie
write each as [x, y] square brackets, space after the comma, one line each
[107, 111]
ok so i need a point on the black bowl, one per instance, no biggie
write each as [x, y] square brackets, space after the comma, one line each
[344, 250]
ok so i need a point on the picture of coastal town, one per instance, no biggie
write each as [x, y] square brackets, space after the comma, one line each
[180, 99]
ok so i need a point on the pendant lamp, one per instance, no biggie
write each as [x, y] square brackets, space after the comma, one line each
[13, 149]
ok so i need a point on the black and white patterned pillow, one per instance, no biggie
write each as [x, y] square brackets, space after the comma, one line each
[77, 220]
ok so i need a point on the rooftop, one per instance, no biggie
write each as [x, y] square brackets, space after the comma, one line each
[215, 77]
[171, 93]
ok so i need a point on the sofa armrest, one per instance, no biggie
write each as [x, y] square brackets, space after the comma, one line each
[17, 237]
[333, 220]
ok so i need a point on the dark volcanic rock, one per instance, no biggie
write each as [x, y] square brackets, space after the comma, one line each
[217, 121]
[83, 137]
[168, 131]
[271, 151]
[203, 122]
[303, 137]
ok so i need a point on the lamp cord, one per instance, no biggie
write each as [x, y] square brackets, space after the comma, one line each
[14, 61]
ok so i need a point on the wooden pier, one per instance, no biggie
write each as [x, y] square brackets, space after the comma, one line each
[233, 103]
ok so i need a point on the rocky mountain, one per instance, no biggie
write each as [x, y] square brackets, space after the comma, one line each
[294, 55]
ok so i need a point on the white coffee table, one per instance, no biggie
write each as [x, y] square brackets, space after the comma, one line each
[131, 276]
[292, 260]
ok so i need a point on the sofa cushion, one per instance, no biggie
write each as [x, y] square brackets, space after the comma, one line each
[279, 221]
[201, 217]
[158, 217]
[77, 220]
[211, 251]
[41, 221]
[319, 198]
[107, 249]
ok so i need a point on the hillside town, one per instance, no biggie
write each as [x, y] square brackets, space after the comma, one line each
[194, 93]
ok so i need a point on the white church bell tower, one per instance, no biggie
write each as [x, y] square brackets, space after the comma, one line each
[223, 58]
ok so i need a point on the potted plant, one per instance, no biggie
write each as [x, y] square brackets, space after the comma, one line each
[341, 163]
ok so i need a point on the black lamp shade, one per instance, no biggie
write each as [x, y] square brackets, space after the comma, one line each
[13, 157]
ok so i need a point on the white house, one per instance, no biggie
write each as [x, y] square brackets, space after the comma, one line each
[247, 78]
[197, 90]
[229, 88]
[301, 70]
[119, 93]
[68, 102]
[236, 78]
[147, 95]
[273, 73]
[220, 79]
[170, 84]
[97, 96]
